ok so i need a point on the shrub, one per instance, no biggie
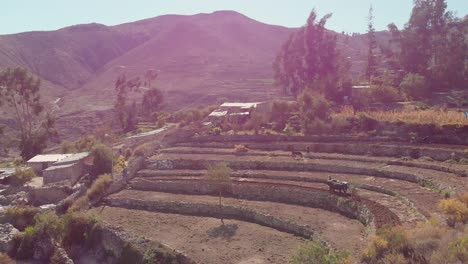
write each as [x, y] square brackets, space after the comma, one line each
[120, 164]
[21, 216]
[240, 149]
[142, 150]
[102, 160]
[456, 210]
[316, 252]
[316, 126]
[81, 203]
[385, 94]
[415, 86]
[364, 122]
[77, 226]
[22, 176]
[99, 187]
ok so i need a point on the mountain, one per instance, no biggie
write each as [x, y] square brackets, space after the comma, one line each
[200, 58]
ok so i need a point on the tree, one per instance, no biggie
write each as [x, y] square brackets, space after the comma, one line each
[308, 59]
[218, 176]
[314, 110]
[126, 89]
[415, 86]
[19, 91]
[371, 67]
[433, 45]
[152, 101]
[125, 113]
[281, 111]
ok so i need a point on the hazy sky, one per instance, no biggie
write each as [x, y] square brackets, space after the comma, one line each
[348, 15]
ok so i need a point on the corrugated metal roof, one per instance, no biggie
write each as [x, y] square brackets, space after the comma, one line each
[240, 114]
[218, 113]
[241, 105]
[49, 157]
[73, 158]
[56, 167]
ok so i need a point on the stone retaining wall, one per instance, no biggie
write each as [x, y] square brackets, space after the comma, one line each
[282, 193]
[351, 148]
[213, 210]
[113, 244]
[48, 195]
[285, 166]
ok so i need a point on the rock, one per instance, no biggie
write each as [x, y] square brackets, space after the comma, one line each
[3, 200]
[7, 235]
[20, 198]
[43, 249]
[60, 256]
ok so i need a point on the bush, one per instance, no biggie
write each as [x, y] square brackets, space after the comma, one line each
[99, 187]
[21, 216]
[80, 204]
[415, 86]
[364, 122]
[456, 210]
[143, 150]
[316, 126]
[315, 252]
[392, 240]
[22, 176]
[77, 226]
[240, 149]
[385, 94]
[102, 160]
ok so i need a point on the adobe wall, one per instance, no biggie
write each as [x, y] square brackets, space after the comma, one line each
[265, 192]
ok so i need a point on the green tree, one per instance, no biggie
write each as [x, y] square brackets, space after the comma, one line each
[433, 45]
[218, 176]
[309, 59]
[152, 101]
[371, 67]
[414, 86]
[125, 113]
[19, 91]
[281, 111]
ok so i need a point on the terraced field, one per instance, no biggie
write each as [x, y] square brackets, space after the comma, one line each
[275, 202]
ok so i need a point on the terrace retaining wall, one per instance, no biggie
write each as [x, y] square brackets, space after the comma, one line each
[264, 192]
[213, 210]
[353, 148]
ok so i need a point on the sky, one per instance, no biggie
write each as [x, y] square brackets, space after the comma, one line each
[348, 15]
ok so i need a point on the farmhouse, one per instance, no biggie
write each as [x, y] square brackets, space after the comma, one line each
[62, 167]
[41, 162]
[237, 112]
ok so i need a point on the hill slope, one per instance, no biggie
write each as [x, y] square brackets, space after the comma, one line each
[201, 58]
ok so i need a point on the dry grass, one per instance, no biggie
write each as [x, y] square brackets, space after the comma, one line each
[430, 116]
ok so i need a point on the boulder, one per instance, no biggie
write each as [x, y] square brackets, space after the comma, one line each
[7, 235]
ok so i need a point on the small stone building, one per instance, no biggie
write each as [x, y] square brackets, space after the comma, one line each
[237, 112]
[69, 169]
[62, 167]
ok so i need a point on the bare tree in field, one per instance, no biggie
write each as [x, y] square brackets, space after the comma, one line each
[218, 176]
[19, 94]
